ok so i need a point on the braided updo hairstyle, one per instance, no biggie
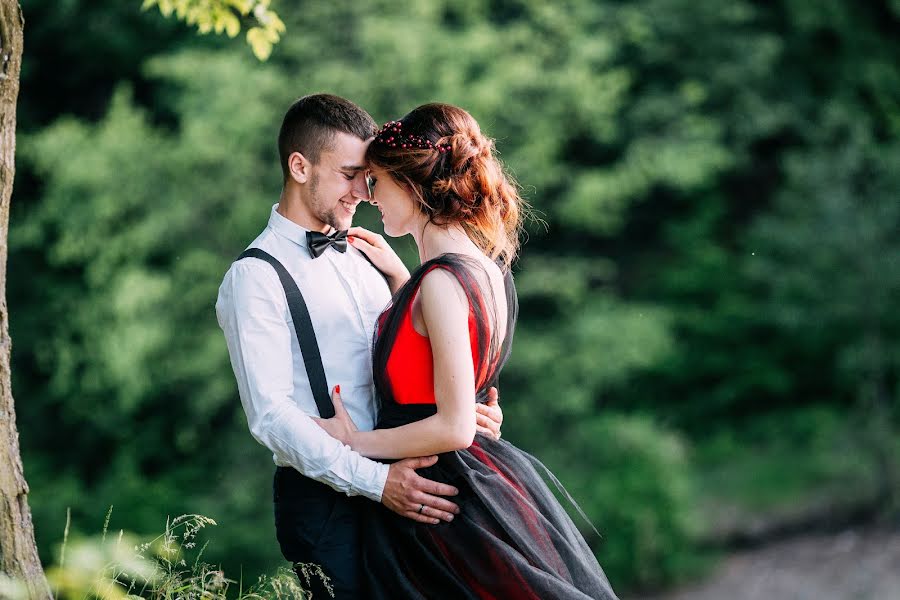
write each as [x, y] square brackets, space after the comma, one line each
[438, 150]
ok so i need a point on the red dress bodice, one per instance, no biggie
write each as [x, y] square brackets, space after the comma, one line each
[410, 365]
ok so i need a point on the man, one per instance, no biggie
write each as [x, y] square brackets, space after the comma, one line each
[319, 483]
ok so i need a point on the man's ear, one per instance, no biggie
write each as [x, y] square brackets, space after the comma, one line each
[299, 167]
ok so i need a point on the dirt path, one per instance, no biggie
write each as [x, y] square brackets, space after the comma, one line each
[853, 565]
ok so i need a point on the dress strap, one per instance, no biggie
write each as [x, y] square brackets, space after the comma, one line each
[491, 354]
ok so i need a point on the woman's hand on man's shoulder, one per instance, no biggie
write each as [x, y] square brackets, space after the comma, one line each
[381, 254]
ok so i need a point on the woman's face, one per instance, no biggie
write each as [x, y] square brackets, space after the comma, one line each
[399, 211]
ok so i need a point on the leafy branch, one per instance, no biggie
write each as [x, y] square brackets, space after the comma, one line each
[226, 16]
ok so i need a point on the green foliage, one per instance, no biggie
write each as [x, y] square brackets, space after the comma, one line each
[594, 344]
[165, 567]
[139, 280]
[718, 182]
[851, 229]
[634, 480]
[224, 16]
[777, 465]
[796, 230]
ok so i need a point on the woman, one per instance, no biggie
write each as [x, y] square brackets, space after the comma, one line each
[439, 346]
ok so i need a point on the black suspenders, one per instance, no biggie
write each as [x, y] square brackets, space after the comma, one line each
[306, 336]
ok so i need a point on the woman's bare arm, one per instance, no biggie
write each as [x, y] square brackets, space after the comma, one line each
[445, 311]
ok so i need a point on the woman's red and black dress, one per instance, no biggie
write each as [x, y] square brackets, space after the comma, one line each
[512, 538]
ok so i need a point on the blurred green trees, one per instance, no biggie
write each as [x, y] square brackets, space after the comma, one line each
[719, 185]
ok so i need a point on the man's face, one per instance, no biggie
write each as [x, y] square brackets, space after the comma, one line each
[338, 181]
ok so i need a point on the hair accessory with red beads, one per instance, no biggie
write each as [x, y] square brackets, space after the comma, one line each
[392, 135]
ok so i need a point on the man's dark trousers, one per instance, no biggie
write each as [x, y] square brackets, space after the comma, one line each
[318, 525]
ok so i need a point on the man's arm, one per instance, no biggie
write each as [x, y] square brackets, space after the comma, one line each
[251, 311]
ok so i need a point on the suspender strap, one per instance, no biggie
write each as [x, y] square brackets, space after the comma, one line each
[304, 329]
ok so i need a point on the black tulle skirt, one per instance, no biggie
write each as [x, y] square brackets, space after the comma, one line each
[512, 538]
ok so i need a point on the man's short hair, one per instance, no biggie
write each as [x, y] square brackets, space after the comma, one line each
[311, 122]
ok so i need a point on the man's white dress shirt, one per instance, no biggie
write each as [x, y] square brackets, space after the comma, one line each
[345, 295]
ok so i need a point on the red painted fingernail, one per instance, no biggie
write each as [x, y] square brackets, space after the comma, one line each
[337, 388]
[351, 239]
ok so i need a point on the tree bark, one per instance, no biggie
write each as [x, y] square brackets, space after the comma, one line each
[18, 551]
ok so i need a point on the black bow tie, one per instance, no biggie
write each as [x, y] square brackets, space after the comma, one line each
[318, 242]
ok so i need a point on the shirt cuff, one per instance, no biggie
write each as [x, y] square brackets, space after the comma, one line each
[374, 487]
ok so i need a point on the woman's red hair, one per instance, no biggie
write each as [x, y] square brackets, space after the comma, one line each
[464, 185]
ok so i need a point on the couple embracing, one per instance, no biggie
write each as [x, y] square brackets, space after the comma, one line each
[374, 388]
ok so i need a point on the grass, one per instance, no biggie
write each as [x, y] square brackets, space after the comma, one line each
[167, 567]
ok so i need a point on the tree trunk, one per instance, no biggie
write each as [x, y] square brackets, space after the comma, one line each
[18, 552]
